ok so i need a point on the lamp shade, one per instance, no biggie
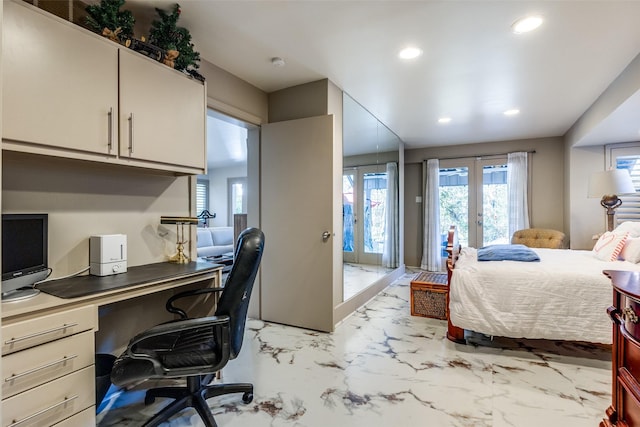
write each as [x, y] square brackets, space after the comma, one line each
[610, 182]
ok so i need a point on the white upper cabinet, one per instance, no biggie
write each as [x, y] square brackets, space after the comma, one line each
[68, 92]
[59, 85]
[162, 113]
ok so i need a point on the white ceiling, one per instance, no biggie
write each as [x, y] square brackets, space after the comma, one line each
[473, 67]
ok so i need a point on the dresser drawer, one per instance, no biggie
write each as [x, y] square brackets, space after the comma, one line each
[38, 365]
[86, 418]
[28, 333]
[52, 402]
[631, 316]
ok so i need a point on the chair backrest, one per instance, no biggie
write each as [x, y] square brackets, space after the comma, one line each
[234, 300]
[539, 238]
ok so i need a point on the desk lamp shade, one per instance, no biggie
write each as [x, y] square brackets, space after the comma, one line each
[608, 185]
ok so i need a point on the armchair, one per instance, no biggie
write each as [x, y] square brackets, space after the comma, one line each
[196, 348]
[539, 238]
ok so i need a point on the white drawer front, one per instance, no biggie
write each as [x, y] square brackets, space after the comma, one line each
[86, 418]
[51, 402]
[30, 368]
[28, 333]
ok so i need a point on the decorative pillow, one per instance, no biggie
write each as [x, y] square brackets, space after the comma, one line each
[631, 227]
[631, 250]
[609, 245]
[516, 252]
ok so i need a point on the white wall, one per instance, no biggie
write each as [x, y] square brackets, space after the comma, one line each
[218, 197]
[586, 216]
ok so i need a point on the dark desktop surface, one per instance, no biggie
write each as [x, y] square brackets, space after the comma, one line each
[80, 286]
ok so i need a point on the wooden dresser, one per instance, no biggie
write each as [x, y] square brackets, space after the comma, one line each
[625, 313]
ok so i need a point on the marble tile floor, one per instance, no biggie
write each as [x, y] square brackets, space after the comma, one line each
[383, 367]
[357, 277]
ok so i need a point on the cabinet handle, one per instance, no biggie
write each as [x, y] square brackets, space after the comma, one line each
[37, 414]
[14, 377]
[630, 315]
[110, 139]
[130, 132]
[37, 334]
[614, 314]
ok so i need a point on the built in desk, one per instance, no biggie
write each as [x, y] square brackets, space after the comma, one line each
[48, 342]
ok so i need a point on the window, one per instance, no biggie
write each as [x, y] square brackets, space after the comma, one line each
[202, 195]
[626, 156]
[237, 194]
[473, 196]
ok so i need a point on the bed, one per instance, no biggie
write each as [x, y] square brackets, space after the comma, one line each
[564, 296]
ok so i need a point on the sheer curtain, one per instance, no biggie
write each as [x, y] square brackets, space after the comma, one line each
[391, 249]
[431, 248]
[517, 187]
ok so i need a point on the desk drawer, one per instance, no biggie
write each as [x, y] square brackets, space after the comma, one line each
[86, 418]
[35, 366]
[52, 402]
[28, 333]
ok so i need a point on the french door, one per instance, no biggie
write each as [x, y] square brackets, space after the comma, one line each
[364, 198]
[473, 196]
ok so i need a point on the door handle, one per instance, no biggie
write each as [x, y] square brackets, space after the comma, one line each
[325, 236]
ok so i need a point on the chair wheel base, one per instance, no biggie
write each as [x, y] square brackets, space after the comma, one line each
[247, 397]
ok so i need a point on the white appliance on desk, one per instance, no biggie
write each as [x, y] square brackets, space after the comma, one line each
[107, 254]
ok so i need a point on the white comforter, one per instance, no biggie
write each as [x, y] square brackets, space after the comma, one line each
[564, 296]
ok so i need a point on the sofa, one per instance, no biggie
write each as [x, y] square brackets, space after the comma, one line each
[214, 241]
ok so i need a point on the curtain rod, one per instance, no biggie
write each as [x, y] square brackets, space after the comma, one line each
[482, 156]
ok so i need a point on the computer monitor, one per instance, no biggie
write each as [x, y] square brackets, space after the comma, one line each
[24, 254]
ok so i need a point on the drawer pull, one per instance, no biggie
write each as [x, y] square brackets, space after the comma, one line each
[37, 414]
[38, 334]
[14, 377]
[630, 315]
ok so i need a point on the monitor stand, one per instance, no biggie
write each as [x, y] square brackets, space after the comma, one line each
[20, 294]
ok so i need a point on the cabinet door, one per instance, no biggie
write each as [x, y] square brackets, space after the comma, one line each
[162, 113]
[59, 82]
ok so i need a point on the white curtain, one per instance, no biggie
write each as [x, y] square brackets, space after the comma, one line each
[517, 187]
[431, 248]
[391, 248]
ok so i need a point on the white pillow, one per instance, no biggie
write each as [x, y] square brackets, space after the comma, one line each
[609, 246]
[631, 250]
[631, 227]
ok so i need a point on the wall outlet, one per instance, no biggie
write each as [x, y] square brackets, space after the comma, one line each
[418, 199]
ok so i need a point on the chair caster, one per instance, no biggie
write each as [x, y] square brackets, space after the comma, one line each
[247, 397]
[148, 400]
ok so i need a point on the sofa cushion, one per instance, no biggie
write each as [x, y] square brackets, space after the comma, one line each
[222, 236]
[204, 237]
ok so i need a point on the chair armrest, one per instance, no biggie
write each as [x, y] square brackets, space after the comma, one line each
[194, 292]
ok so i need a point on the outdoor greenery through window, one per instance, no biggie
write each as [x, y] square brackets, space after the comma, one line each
[477, 203]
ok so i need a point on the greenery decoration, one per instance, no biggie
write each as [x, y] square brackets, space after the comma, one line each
[165, 34]
[107, 19]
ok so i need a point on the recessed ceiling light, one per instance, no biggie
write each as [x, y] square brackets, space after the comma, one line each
[512, 112]
[526, 24]
[444, 119]
[410, 53]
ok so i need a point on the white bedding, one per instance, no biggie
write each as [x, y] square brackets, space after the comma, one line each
[564, 296]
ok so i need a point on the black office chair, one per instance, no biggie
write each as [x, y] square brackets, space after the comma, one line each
[196, 348]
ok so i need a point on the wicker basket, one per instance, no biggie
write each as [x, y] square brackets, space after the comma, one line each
[429, 295]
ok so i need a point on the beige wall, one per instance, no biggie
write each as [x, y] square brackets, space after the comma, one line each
[233, 96]
[83, 199]
[297, 102]
[547, 187]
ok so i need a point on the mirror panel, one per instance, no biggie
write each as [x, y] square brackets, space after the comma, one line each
[369, 205]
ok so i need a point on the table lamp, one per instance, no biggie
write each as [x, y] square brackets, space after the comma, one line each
[180, 257]
[608, 184]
